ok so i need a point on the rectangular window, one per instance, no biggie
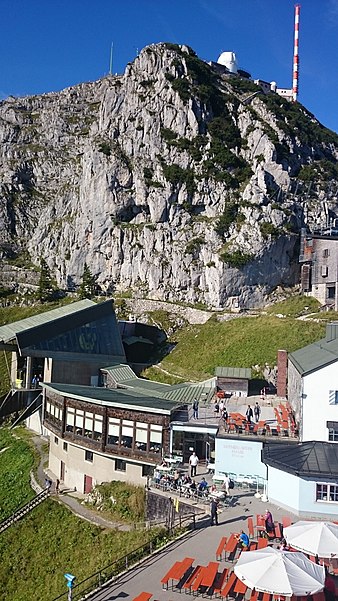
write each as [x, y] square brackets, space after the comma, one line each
[70, 419]
[333, 431]
[120, 465]
[327, 493]
[326, 253]
[155, 438]
[333, 397]
[65, 446]
[147, 470]
[325, 271]
[113, 430]
[98, 422]
[127, 433]
[141, 436]
[89, 456]
[56, 440]
[79, 422]
[331, 292]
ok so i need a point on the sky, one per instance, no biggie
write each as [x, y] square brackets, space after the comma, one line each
[48, 45]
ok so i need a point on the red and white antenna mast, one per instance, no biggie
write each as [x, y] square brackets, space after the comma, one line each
[295, 55]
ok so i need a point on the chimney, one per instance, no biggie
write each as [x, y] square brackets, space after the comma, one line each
[331, 331]
[282, 373]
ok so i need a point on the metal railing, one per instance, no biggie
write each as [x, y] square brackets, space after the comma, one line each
[22, 511]
[114, 569]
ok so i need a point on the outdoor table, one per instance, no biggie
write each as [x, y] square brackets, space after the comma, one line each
[143, 597]
[177, 571]
[209, 574]
[218, 494]
[231, 545]
[163, 468]
[171, 460]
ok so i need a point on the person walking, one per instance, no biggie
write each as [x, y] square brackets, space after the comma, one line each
[249, 414]
[193, 462]
[226, 483]
[195, 409]
[213, 512]
[257, 412]
[57, 486]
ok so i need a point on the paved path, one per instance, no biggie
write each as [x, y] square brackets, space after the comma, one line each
[200, 544]
[70, 499]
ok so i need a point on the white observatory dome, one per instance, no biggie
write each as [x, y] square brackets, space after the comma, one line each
[228, 60]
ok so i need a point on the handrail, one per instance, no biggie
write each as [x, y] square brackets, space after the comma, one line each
[24, 509]
[118, 566]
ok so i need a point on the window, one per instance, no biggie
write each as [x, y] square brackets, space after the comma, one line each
[113, 430]
[155, 438]
[98, 421]
[327, 493]
[79, 419]
[325, 271]
[70, 419]
[53, 413]
[120, 465]
[56, 440]
[330, 292]
[65, 446]
[89, 456]
[88, 424]
[141, 436]
[127, 433]
[326, 253]
[333, 397]
[333, 431]
[147, 470]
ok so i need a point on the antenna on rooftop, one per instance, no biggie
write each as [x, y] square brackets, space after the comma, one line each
[295, 76]
[111, 59]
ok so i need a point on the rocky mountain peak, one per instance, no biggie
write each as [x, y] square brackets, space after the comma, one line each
[174, 180]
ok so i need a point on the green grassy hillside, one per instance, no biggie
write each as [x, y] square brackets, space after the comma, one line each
[38, 550]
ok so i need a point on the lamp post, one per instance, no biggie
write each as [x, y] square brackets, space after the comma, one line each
[70, 583]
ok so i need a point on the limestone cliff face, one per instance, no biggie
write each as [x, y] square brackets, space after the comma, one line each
[173, 180]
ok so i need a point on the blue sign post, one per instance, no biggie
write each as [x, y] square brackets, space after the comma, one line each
[70, 583]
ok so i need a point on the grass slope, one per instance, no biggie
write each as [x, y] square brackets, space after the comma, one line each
[242, 342]
[50, 541]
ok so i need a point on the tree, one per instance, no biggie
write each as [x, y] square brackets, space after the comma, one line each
[88, 283]
[47, 286]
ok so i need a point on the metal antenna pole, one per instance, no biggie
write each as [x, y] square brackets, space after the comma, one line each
[111, 59]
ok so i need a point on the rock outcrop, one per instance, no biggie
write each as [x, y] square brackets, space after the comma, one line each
[174, 181]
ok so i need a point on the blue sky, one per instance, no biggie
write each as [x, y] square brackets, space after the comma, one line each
[47, 45]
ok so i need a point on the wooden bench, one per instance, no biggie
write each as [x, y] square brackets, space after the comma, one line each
[231, 547]
[177, 571]
[278, 532]
[240, 588]
[209, 574]
[190, 580]
[262, 543]
[220, 581]
[251, 528]
[253, 546]
[228, 586]
[197, 582]
[143, 597]
[286, 521]
[221, 547]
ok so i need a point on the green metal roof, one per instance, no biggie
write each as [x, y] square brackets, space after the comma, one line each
[182, 393]
[316, 355]
[9, 331]
[117, 397]
[243, 373]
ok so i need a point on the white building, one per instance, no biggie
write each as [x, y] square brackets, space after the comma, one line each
[304, 477]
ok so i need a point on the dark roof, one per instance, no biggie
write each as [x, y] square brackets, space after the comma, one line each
[314, 356]
[9, 331]
[116, 397]
[308, 459]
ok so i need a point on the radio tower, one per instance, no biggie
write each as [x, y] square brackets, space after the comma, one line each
[295, 55]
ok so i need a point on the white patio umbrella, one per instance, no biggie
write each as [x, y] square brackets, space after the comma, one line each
[315, 538]
[280, 572]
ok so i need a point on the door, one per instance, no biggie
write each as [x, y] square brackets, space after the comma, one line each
[62, 472]
[88, 484]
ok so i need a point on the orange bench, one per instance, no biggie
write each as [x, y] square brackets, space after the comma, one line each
[251, 528]
[209, 574]
[286, 521]
[177, 571]
[262, 543]
[240, 588]
[143, 597]
[190, 580]
[231, 546]
[227, 588]
[220, 581]
[221, 547]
